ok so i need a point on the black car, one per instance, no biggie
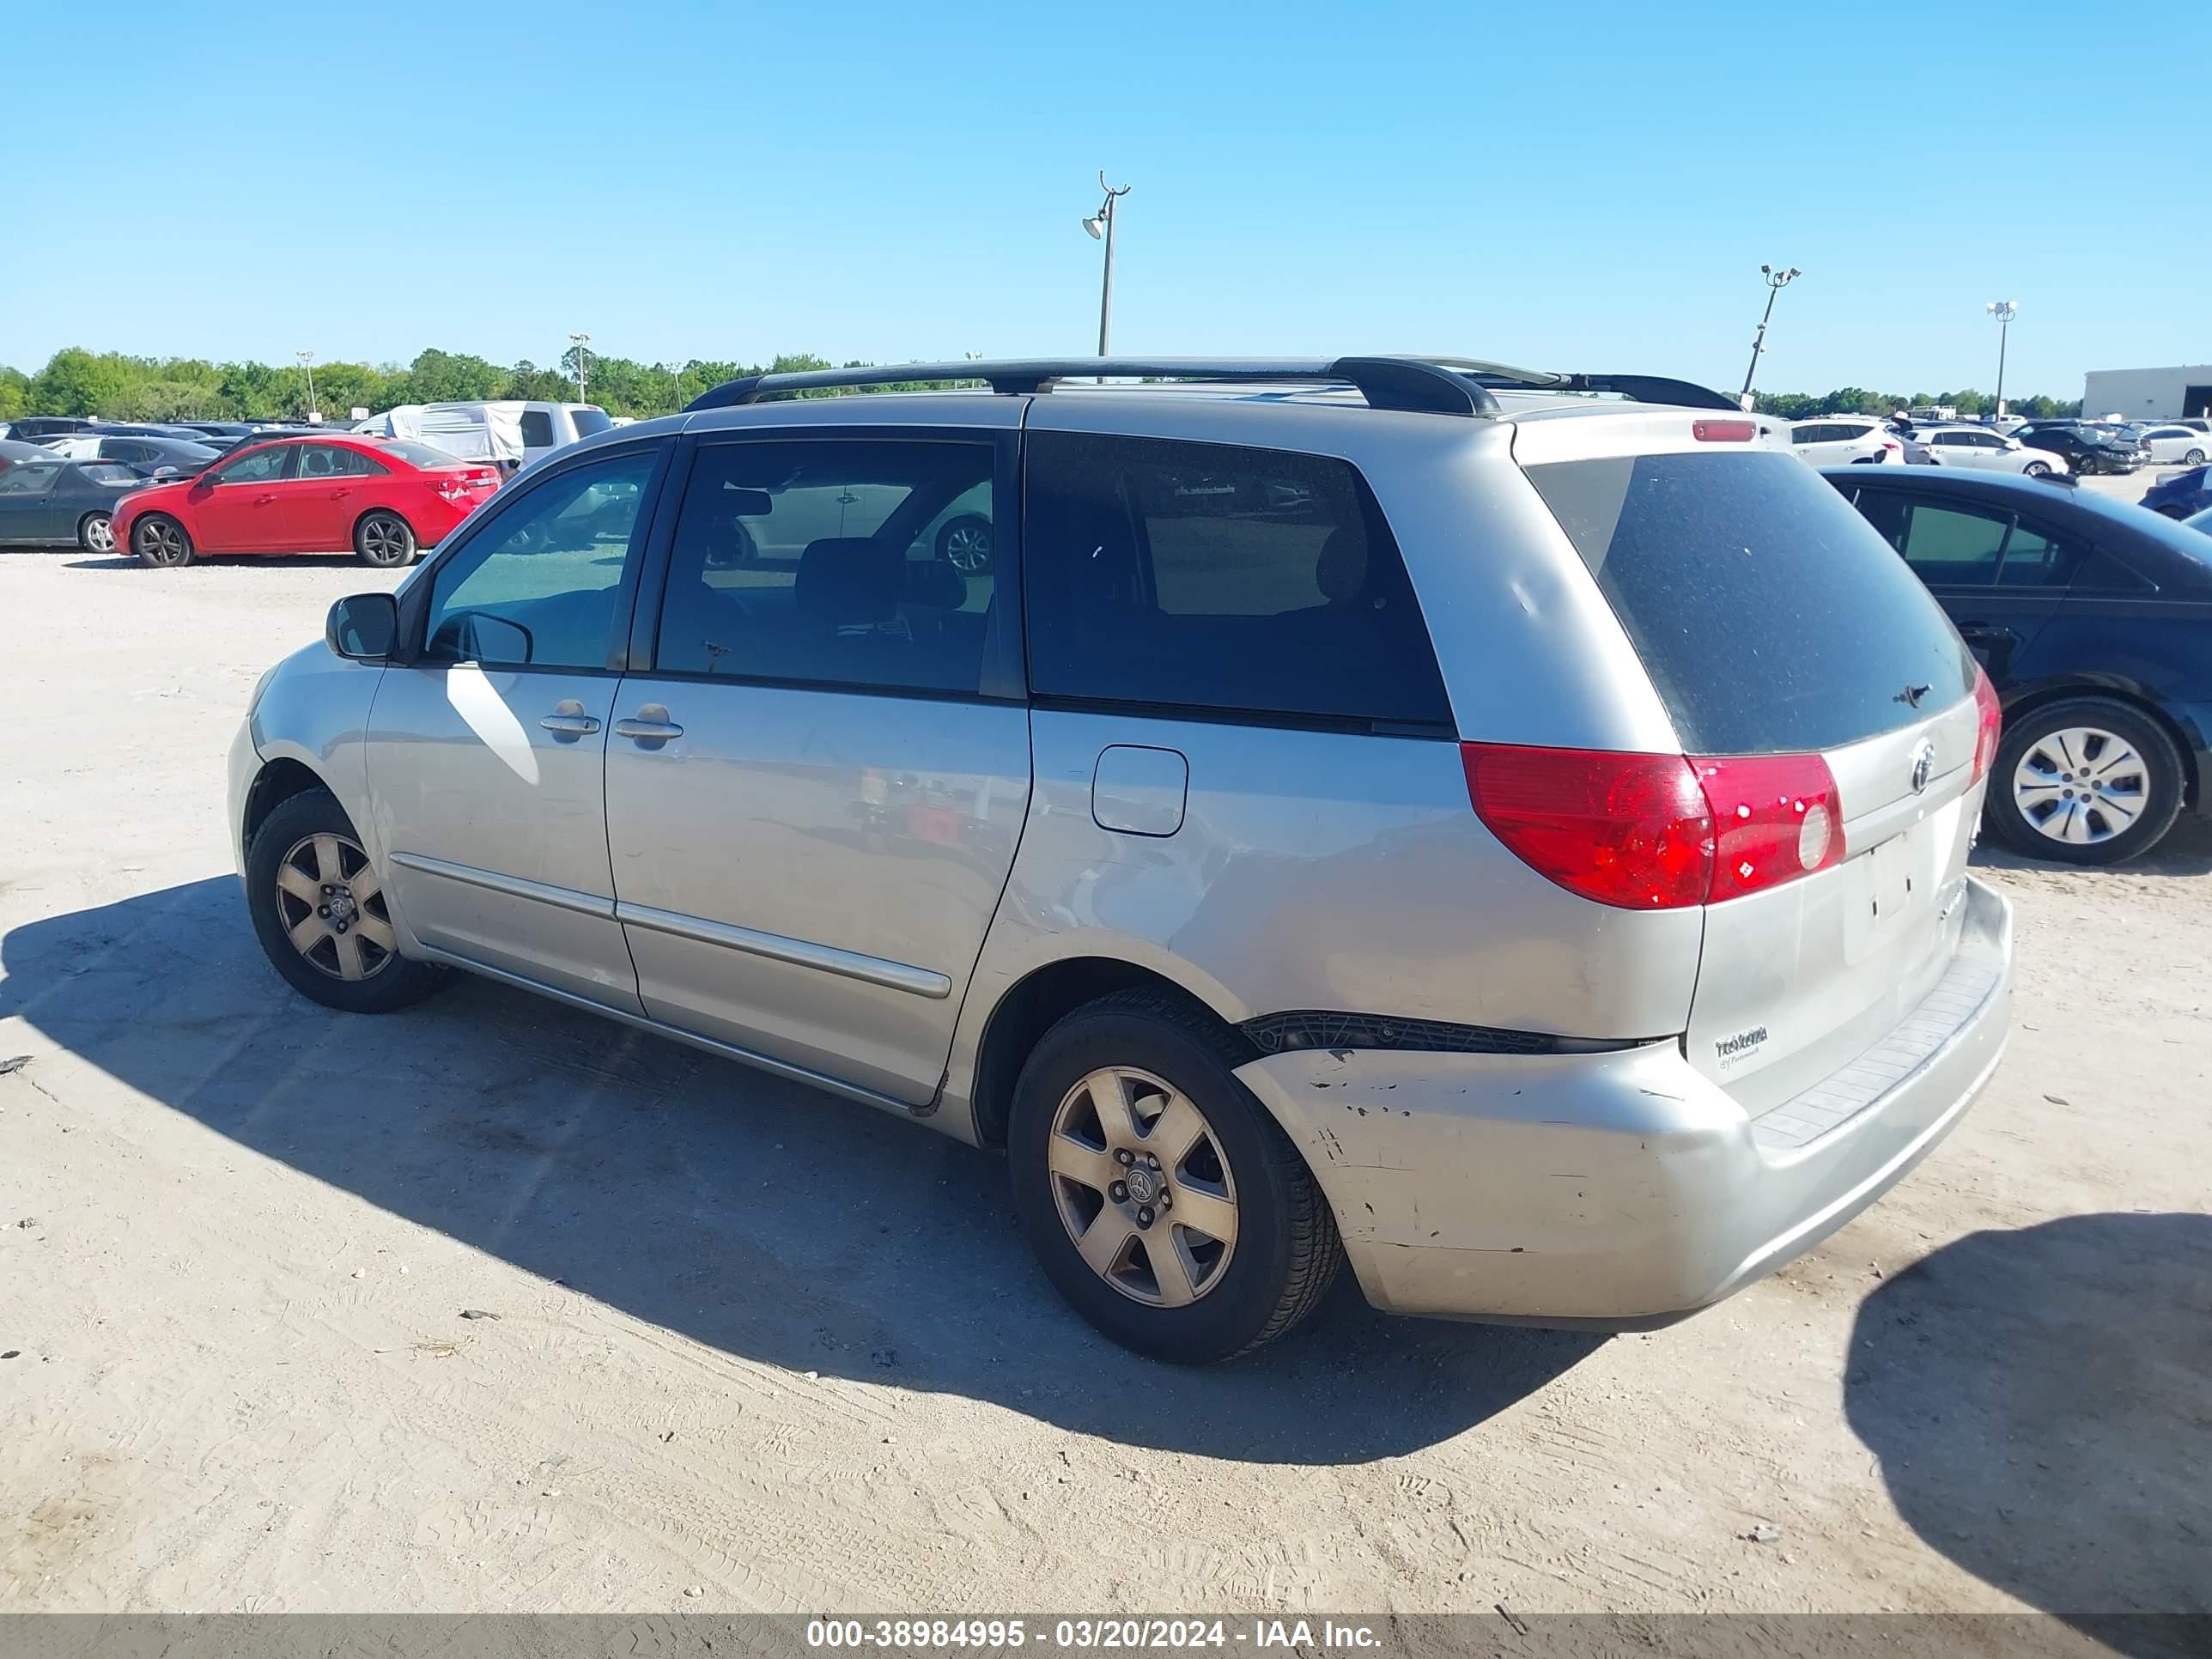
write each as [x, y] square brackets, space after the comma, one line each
[2085, 449]
[37, 429]
[2094, 621]
[2183, 495]
[153, 457]
[54, 502]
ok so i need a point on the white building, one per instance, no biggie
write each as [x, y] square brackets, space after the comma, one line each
[2147, 394]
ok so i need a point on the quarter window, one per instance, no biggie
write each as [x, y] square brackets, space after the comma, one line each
[538, 586]
[864, 563]
[1207, 576]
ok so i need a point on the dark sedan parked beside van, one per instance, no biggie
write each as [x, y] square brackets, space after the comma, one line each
[2094, 621]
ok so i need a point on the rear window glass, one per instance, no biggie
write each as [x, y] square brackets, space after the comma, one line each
[1771, 616]
[416, 454]
[1208, 576]
[537, 429]
[590, 421]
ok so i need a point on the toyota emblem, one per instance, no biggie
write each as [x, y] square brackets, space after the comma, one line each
[1923, 763]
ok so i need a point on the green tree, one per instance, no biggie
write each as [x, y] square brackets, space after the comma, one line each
[14, 393]
[445, 377]
[77, 382]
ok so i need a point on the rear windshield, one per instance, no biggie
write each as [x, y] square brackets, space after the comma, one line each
[1771, 616]
[416, 454]
[590, 421]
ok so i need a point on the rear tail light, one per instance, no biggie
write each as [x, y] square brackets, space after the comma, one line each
[1992, 723]
[1722, 432]
[1776, 818]
[1658, 832]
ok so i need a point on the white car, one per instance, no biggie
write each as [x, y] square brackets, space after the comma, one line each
[2174, 441]
[1843, 440]
[1979, 447]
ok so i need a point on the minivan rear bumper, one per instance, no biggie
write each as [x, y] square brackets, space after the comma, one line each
[1617, 1190]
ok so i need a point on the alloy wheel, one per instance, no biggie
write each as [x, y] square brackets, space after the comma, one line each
[100, 533]
[2081, 784]
[1142, 1187]
[331, 907]
[967, 548]
[162, 542]
[384, 540]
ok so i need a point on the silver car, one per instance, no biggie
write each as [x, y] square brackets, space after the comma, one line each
[1505, 830]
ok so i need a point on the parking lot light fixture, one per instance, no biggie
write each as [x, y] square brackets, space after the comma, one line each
[1100, 226]
[582, 343]
[307, 362]
[2002, 310]
[1777, 280]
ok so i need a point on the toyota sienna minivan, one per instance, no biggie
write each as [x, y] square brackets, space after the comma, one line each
[1504, 830]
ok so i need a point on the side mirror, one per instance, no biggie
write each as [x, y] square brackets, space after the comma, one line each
[363, 626]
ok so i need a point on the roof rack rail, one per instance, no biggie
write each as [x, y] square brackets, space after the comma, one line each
[1423, 384]
[1417, 384]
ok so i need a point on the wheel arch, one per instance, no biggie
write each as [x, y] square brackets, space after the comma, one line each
[2119, 689]
[277, 781]
[1032, 1004]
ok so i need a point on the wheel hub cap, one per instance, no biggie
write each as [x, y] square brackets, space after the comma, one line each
[1143, 1186]
[331, 904]
[2082, 785]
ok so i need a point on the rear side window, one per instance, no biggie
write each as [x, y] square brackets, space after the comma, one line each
[1769, 615]
[1214, 577]
[590, 423]
[537, 429]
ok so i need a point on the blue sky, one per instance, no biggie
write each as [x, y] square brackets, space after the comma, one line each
[1569, 187]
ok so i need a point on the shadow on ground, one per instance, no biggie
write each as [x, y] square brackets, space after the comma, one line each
[762, 1217]
[2186, 850]
[2041, 1402]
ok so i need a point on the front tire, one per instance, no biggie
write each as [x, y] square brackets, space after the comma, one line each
[96, 533]
[965, 543]
[1159, 1196]
[2086, 780]
[319, 911]
[2037, 468]
[384, 539]
[161, 542]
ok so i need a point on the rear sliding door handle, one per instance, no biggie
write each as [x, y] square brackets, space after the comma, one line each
[650, 726]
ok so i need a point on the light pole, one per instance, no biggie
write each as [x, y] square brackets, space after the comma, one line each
[2002, 310]
[1101, 227]
[582, 341]
[1776, 282]
[307, 362]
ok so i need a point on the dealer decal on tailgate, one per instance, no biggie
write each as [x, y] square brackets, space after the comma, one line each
[1740, 1046]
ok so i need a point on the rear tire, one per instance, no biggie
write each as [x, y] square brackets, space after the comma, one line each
[1221, 1153]
[2037, 468]
[161, 542]
[2193, 458]
[319, 910]
[2085, 781]
[384, 539]
[95, 534]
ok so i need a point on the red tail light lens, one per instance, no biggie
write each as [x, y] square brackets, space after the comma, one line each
[1629, 830]
[1992, 723]
[1776, 818]
[1657, 832]
[1722, 432]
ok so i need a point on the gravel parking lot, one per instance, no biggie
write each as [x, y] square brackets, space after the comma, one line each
[493, 1306]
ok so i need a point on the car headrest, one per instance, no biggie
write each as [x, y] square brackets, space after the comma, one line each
[1340, 572]
[848, 582]
[935, 583]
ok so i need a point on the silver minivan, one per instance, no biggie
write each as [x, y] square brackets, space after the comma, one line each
[1506, 830]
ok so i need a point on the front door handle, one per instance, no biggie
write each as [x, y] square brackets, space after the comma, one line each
[568, 721]
[650, 726]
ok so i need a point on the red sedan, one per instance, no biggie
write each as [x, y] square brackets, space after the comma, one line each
[378, 498]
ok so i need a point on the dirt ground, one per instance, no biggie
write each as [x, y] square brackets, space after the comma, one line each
[745, 1346]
